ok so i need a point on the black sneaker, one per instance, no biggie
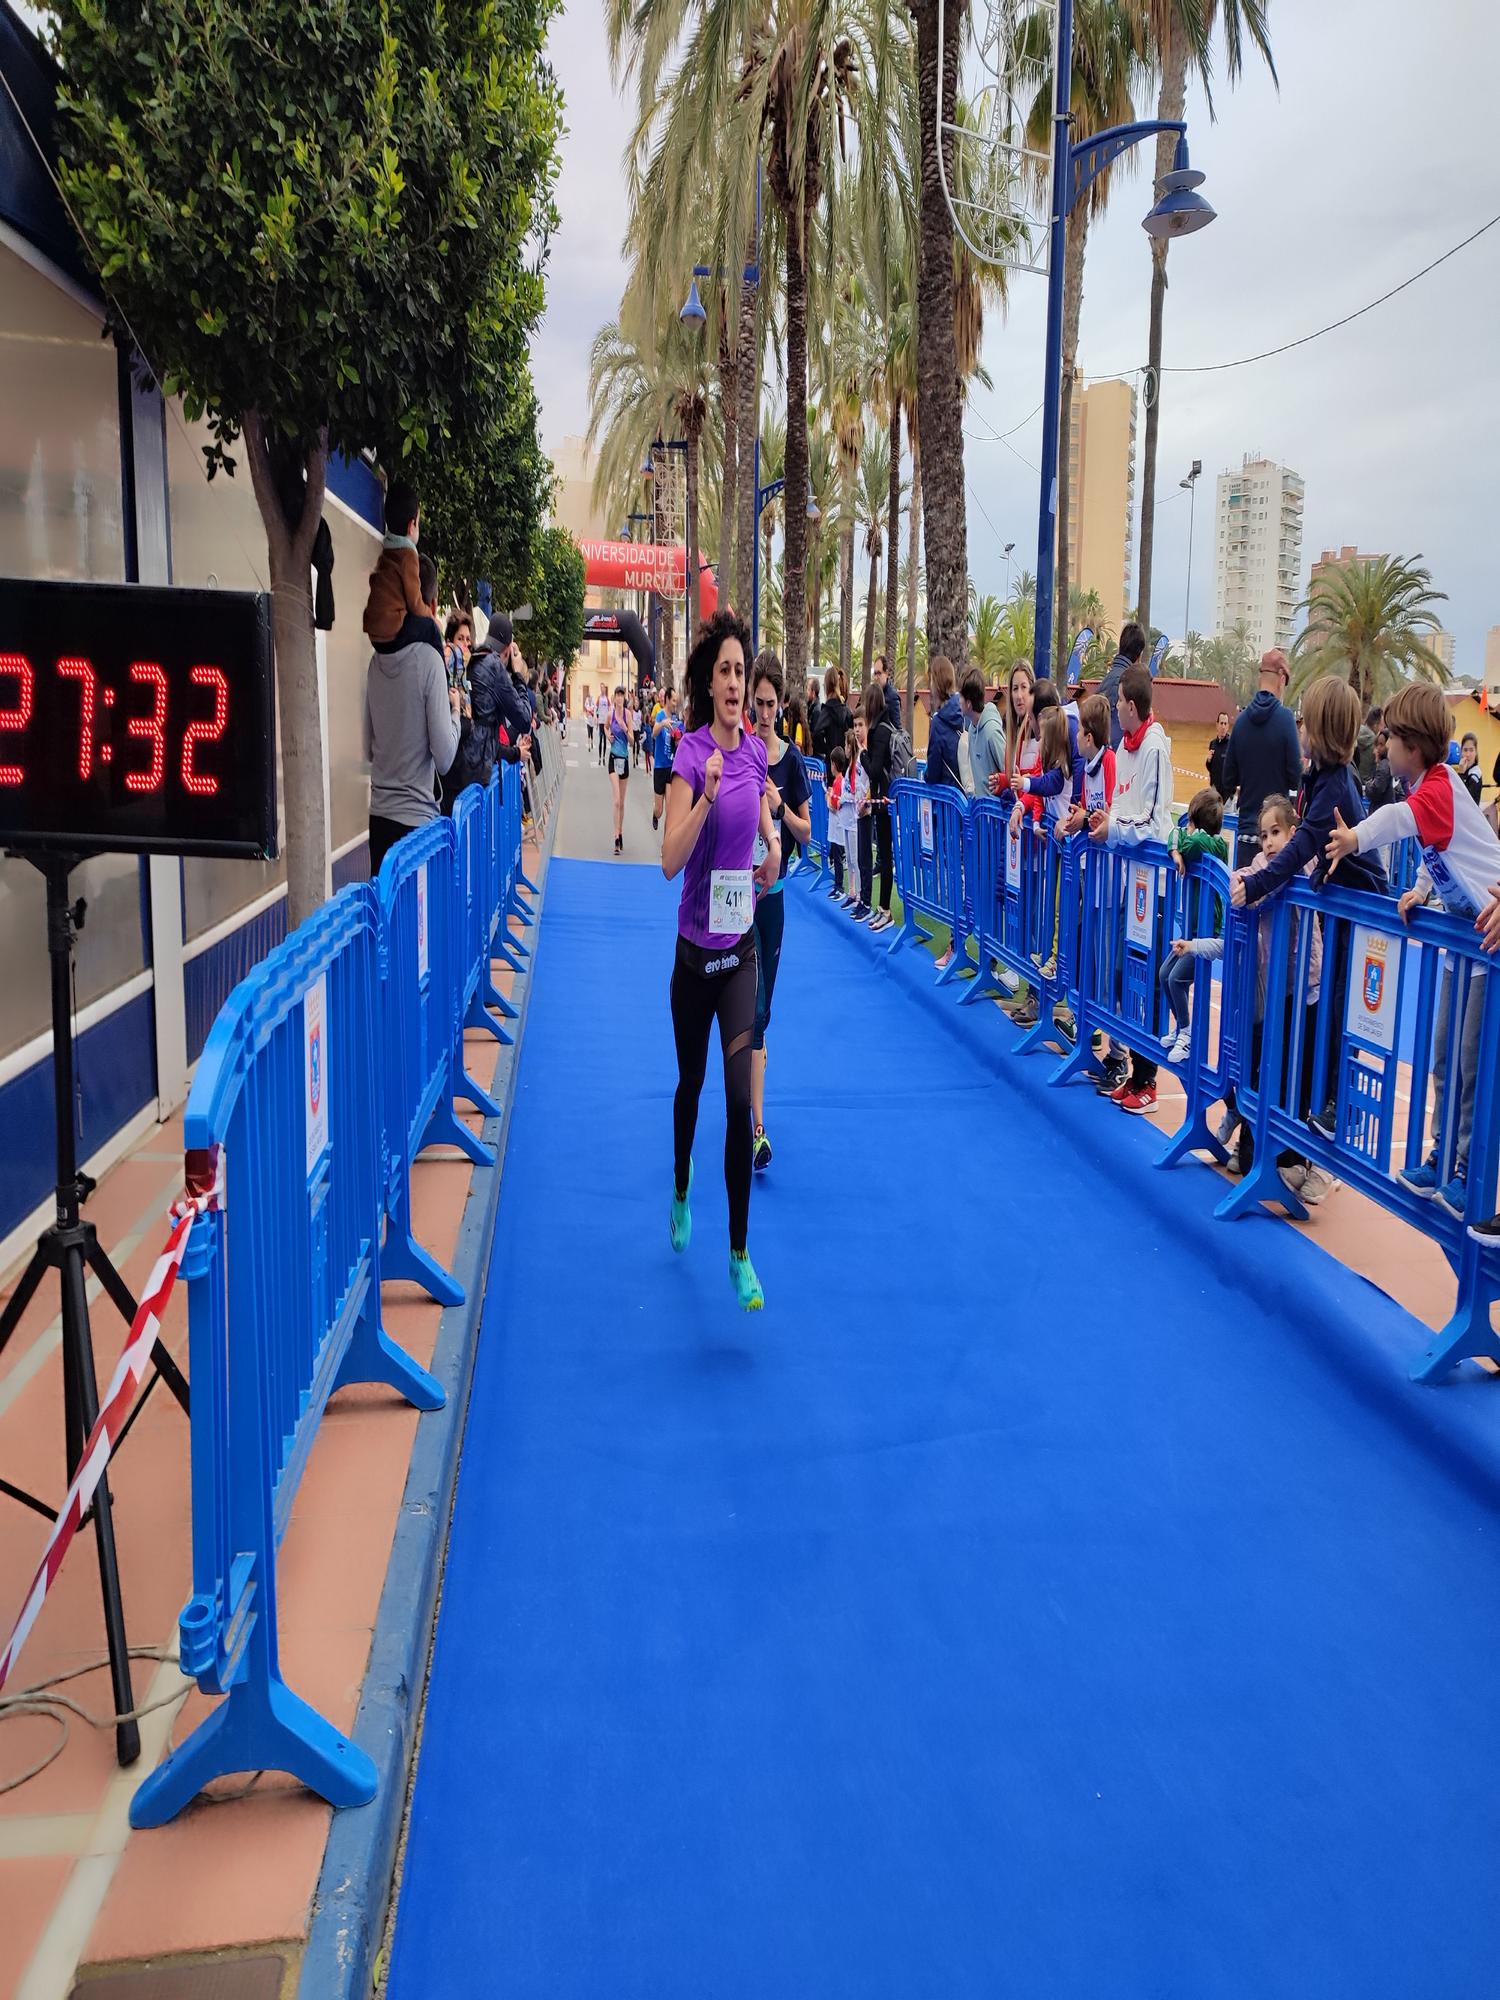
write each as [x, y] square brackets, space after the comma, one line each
[1326, 1121]
[1486, 1233]
[761, 1158]
[1115, 1073]
[619, 845]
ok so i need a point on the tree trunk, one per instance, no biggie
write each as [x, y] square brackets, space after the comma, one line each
[893, 540]
[690, 553]
[815, 605]
[939, 394]
[289, 549]
[767, 575]
[729, 388]
[794, 499]
[868, 652]
[914, 549]
[846, 596]
[1077, 237]
[1168, 105]
[747, 360]
[662, 464]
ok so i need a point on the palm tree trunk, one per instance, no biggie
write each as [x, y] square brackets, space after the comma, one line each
[893, 537]
[816, 604]
[947, 537]
[767, 575]
[729, 388]
[794, 506]
[846, 594]
[747, 360]
[869, 644]
[914, 549]
[1077, 238]
[1168, 105]
[690, 553]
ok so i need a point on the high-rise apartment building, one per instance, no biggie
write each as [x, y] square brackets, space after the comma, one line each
[1258, 552]
[1332, 559]
[1441, 643]
[1101, 481]
[1492, 665]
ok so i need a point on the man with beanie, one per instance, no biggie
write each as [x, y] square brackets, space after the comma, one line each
[1264, 756]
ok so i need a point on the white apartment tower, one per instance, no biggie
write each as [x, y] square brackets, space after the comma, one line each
[1258, 552]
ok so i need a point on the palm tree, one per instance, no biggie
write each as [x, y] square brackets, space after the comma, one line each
[1106, 65]
[822, 487]
[1192, 652]
[1230, 659]
[985, 627]
[1370, 621]
[1180, 33]
[772, 465]
[874, 502]
[939, 393]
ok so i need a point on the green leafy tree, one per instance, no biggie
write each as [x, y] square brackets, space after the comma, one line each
[1370, 621]
[986, 622]
[556, 629]
[278, 196]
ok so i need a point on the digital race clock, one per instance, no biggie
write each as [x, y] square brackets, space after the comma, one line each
[136, 720]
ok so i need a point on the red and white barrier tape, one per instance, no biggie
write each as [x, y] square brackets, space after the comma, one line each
[118, 1400]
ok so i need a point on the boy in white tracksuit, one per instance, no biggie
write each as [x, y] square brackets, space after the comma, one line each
[1141, 810]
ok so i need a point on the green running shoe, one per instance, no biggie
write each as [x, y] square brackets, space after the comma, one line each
[680, 1220]
[760, 1159]
[746, 1285]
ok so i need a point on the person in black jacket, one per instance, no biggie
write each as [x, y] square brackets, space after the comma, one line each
[875, 827]
[947, 723]
[1264, 756]
[1218, 749]
[1132, 645]
[834, 720]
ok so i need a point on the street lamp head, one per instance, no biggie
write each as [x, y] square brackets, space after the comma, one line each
[648, 471]
[814, 511]
[1180, 210]
[693, 315]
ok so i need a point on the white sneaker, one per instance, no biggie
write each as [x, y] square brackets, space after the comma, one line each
[1010, 982]
[1295, 1177]
[1182, 1047]
[1169, 1039]
[1318, 1186]
[1227, 1126]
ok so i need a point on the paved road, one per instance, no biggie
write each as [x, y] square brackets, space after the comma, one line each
[586, 828]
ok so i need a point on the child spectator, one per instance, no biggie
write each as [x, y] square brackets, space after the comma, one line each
[1098, 763]
[1468, 766]
[1047, 794]
[1277, 823]
[986, 735]
[1330, 796]
[1205, 816]
[395, 581]
[1140, 810]
[854, 814]
[838, 773]
[1460, 861]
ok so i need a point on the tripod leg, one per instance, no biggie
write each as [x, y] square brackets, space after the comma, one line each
[119, 1294]
[22, 1296]
[82, 1398]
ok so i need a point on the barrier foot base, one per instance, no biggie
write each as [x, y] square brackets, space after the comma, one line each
[258, 1727]
[1080, 1059]
[1194, 1137]
[1466, 1336]
[474, 1093]
[983, 986]
[475, 1016]
[522, 882]
[495, 999]
[402, 1256]
[908, 932]
[524, 915]
[960, 962]
[1262, 1184]
[446, 1128]
[372, 1356]
[508, 952]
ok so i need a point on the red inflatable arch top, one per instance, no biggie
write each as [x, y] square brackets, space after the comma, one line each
[647, 566]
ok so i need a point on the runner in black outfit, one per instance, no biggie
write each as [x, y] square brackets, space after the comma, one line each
[715, 805]
[787, 789]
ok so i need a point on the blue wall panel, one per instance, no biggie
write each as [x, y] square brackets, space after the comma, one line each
[352, 867]
[210, 978]
[117, 1071]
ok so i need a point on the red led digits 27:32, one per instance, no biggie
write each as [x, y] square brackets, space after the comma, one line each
[146, 728]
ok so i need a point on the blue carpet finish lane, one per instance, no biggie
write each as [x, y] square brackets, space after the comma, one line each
[1020, 1605]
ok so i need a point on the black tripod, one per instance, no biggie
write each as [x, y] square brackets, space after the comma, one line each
[69, 1245]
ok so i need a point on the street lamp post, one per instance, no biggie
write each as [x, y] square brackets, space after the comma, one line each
[1191, 483]
[1179, 211]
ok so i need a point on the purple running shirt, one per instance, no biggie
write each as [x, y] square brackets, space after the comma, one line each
[727, 840]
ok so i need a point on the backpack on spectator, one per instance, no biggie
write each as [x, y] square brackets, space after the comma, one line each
[902, 754]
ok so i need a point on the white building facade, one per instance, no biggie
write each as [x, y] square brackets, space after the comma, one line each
[1258, 552]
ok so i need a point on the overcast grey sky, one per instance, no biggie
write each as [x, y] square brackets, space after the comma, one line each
[1350, 178]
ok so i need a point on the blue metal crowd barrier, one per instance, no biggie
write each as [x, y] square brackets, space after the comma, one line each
[1024, 895]
[817, 812]
[471, 883]
[283, 1284]
[928, 824]
[419, 977]
[1391, 996]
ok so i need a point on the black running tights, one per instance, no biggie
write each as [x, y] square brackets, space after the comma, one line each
[708, 986]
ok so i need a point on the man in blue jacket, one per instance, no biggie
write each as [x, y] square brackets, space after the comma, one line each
[1132, 645]
[1264, 755]
[892, 700]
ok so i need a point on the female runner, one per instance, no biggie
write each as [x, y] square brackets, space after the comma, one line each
[619, 762]
[716, 804]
